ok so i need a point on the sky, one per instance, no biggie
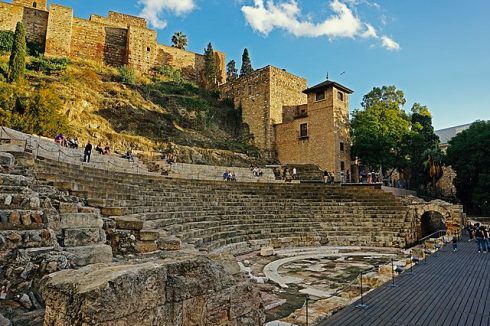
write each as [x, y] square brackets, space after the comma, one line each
[436, 51]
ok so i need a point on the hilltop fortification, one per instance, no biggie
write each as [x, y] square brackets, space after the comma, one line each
[115, 40]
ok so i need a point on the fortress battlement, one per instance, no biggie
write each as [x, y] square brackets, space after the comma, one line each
[118, 39]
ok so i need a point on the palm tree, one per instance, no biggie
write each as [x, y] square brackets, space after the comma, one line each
[179, 40]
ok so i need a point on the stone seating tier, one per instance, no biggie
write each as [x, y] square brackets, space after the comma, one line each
[209, 172]
[218, 215]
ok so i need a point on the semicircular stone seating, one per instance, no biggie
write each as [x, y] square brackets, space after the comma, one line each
[217, 216]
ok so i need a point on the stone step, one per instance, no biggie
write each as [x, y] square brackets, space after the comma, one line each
[80, 220]
[83, 237]
[93, 254]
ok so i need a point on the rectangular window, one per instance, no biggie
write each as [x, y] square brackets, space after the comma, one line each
[303, 130]
[342, 166]
[320, 95]
[342, 147]
[340, 96]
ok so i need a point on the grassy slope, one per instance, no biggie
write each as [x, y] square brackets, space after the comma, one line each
[152, 114]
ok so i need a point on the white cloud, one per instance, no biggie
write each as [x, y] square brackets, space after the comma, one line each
[266, 15]
[389, 44]
[153, 9]
[370, 32]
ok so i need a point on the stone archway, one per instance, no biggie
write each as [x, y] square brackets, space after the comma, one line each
[431, 218]
[423, 217]
[430, 222]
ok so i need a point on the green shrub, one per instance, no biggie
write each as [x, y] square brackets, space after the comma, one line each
[126, 75]
[6, 41]
[35, 49]
[170, 73]
[32, 112]
[4, 70]
[48, 66]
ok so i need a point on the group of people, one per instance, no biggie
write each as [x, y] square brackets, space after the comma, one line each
[71, 142]
[103, 151]
[229, 176]
[87, 151]
[288, 173]
[481, 234]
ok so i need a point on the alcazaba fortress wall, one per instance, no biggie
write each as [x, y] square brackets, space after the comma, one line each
[115, 40]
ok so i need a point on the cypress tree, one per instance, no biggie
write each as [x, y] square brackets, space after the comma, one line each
[246, 64]
[210, 67]
[17, 62]
[231, 71]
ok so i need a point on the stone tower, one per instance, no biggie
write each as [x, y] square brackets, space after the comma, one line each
[317, 132]
[37, 4]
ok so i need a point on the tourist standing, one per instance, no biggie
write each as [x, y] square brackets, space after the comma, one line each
[294, 173]
[480, 238]
[486, 238]
[455, 243]
[87, 152]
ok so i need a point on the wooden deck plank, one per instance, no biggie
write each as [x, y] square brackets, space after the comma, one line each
[453, 288]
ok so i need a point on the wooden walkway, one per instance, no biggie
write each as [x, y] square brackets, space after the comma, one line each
[453, 288]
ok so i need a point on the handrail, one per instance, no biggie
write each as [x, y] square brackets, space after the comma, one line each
[438, 232]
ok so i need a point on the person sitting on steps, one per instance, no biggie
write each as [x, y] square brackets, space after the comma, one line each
[99, 149]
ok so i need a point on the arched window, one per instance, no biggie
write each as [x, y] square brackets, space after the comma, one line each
[34, 5]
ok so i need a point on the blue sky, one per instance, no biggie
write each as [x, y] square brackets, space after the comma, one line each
[436, 51]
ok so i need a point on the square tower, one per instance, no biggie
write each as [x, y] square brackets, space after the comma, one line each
[318, 132]
[36, 4]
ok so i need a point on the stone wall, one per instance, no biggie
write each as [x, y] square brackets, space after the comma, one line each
[59, 31]
[10, 15]
[116, 40]
[175, 292]
[36, 23]
[124, 20]
[142, 48]
[39, 4]
[261, 95]
[88, 40]
[327, 125]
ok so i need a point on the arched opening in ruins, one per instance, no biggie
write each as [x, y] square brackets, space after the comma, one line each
[430, 222]
[34, 5]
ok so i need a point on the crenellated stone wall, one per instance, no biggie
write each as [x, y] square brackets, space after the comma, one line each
[115, 40]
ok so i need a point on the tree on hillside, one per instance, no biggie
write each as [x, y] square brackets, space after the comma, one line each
[231, 71]
[179, 40]
[469, 155]
[17, 62]
[246, 68]
[420, 143]
[210, 67]
[378, 130]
